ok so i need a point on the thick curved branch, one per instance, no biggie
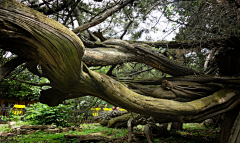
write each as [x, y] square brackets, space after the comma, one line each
[211, 43]
[88, 43]
[118, 51]
[178, 90]
[114, 92]
[8, 67]
[106, 56]
[54, 97]
[35, 84]
[156, 92]
[190, 78]
[44, 39]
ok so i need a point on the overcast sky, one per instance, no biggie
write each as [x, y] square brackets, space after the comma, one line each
[164, 32]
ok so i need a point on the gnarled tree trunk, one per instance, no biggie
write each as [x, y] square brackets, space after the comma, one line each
[59, 52]
[230, 127]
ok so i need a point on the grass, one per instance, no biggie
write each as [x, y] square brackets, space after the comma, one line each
[39, 137]
[42, 137]
[193, 125]
[4, 127]
[20, 123]
[96, 128]
[192, 133]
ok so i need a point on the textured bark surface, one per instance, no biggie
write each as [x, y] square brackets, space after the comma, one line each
[27, 32]
[229, 62]
[59, 52]
[115, 122]
[188, 44]
[113, 119]
[190, 78]
[235, 132]
[227, 126]
[118, 51]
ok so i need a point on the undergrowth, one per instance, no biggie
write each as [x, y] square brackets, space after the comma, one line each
[191, 133]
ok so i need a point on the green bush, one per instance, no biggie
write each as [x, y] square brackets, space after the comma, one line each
[13, 117]
[42, 114]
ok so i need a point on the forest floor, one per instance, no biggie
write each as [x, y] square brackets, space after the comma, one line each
[191, 133]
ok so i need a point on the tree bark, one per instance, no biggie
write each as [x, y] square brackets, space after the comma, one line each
[227, 126]
[235, 132]
[119, 51]
[190, 78]
[228, 61]
[189, 44]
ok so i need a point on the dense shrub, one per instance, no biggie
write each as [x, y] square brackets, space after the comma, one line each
[42, 114]
[14, 117]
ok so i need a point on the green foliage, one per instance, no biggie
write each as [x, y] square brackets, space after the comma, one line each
[42, 114]
[15, 90]
[57, 138]
[96, 128]
[193, 125]
[20, 123]
[103, 70]
[195, 22]
[13, 117]
[81, 108]
[4, 127]
[40, 137]
[191, 134]
[11, 89]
